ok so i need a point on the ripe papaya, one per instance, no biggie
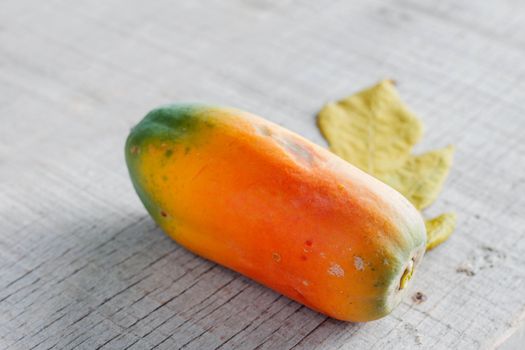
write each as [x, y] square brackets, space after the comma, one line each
[250, 195]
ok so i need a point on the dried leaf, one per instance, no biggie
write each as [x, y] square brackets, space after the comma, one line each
[372, 129]
[439, 229]
[421, 178]
[375, 131]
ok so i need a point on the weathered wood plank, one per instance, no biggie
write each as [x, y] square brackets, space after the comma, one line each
[82, 265]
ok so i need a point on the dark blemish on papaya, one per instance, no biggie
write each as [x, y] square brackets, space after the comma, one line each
[187, 150]
[276, 257]
[379, 284]
[419, 298]
[168, 153]
[134, 150]
[164, 178]
[303, 258]
[209, 124]
[163, 213]
[308, 243]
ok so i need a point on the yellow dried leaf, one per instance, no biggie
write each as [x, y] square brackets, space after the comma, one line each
[439, 229]
[421, 178]
[372, 129]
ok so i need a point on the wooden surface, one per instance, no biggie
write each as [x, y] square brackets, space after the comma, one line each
[83, 267]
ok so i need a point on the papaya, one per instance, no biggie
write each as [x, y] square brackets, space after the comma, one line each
[252, 196]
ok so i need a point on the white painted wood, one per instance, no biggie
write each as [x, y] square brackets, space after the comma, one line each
[81, 264]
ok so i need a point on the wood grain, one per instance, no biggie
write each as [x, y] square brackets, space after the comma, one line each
[83, 267]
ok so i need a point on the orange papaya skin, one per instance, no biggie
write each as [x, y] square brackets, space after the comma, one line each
[252, 196]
